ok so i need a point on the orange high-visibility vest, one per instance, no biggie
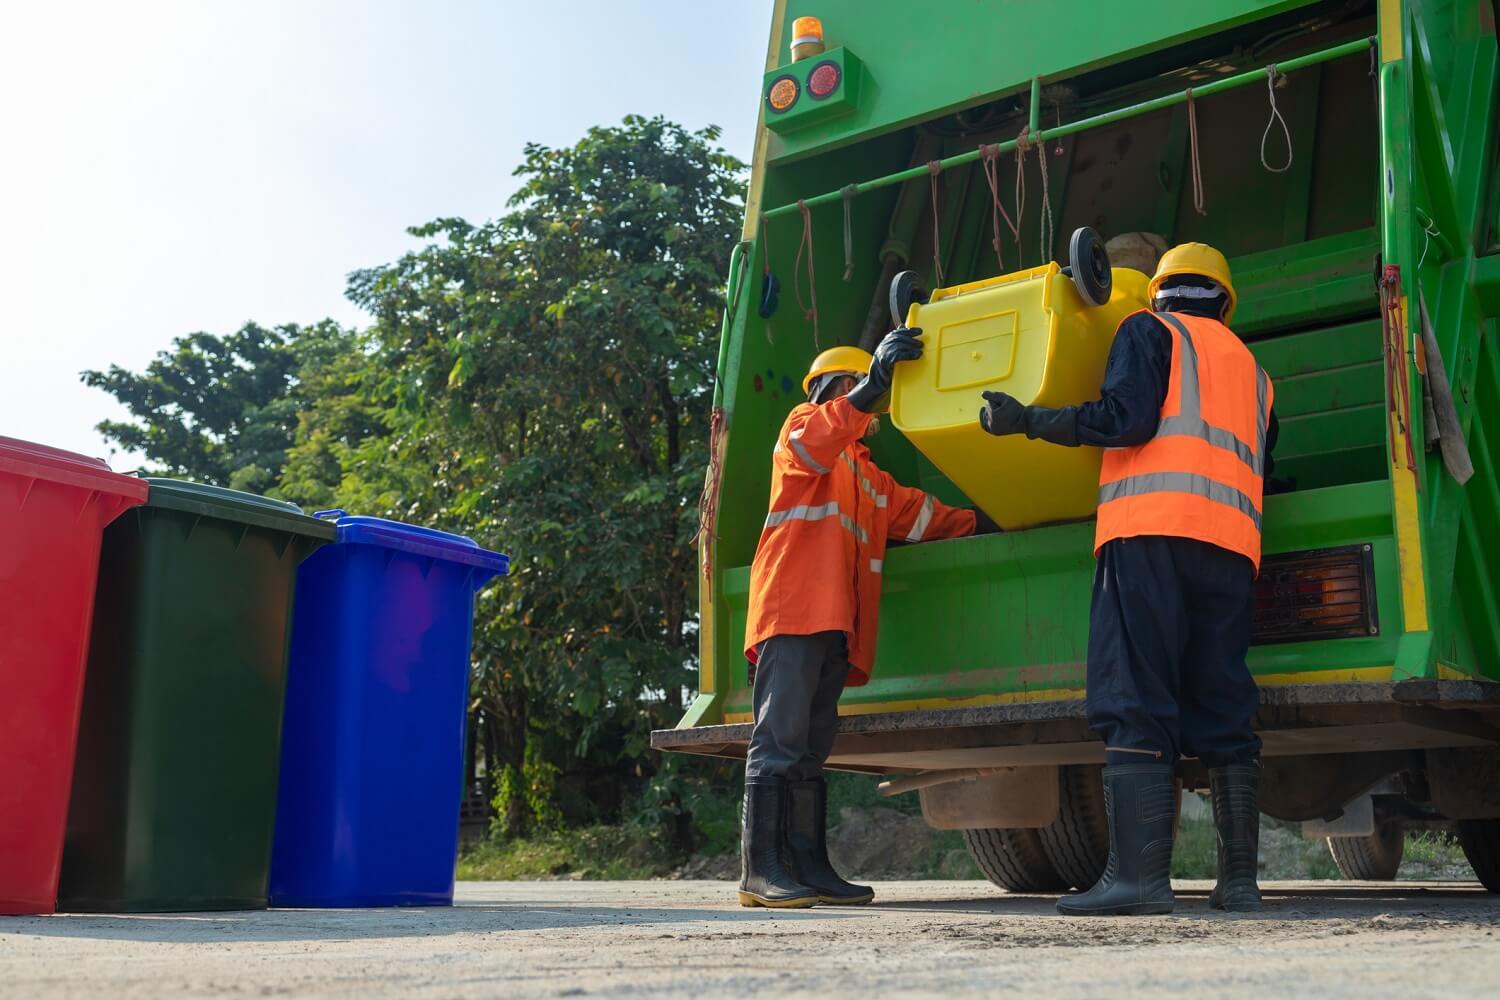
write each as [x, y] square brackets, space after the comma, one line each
[1202, 475]
[818, 565]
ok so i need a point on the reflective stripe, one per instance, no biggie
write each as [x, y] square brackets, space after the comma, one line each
[876, 565]
[804, 512]
[1188, 292]
[881, 500]
[1262, 419]
[923, 520]
[1189, 422]
[801, 449]
[1180, 482]
[1180, 426]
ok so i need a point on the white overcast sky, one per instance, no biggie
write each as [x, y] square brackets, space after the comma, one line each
[169, 166]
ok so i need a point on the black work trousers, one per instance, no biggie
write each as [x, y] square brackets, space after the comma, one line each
[797, 685]
[1168, 632]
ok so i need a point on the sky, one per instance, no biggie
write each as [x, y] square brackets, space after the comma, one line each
[169, 166]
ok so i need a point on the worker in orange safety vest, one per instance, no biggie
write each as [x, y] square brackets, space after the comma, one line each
[814, 605]
[1185, 416]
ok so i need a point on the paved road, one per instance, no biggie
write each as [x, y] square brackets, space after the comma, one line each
[688, 939]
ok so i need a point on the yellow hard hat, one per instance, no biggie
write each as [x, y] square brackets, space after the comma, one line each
[837, 359]
[1194, 258]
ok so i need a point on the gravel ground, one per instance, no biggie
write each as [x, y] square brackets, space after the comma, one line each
[689, 939]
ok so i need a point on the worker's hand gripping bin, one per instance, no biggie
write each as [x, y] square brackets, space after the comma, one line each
[1041, 335]
[376, 710]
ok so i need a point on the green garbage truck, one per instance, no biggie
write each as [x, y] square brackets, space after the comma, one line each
[1342, 154]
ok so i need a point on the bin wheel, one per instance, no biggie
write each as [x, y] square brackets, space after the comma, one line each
[1088, 265]
[906, 288]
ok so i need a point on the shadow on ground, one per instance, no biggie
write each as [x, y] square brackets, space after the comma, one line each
[707, 910]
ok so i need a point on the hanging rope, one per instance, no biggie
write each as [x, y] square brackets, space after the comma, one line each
[1398, 384]
[708, 500]
[1047, 233]
[1271, 80]
[1022, 144]
[812, 280]
[989, 161]
[1197, 168]
[849, 193]
[935, 167]
[766, 276]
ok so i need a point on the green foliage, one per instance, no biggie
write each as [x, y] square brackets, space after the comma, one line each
[593, 852]
[222, 410]
[542, 383]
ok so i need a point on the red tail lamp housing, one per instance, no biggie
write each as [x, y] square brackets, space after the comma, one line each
[824, 79]
[1316, 594]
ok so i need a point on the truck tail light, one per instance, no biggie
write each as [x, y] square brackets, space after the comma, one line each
[824, 79]
[1315, 594]
[783, 93]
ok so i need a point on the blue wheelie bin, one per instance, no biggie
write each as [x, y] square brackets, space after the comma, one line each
[373, 742]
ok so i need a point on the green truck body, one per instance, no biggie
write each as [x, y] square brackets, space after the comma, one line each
[1378, 617]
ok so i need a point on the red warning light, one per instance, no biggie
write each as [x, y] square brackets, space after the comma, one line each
[824, 79]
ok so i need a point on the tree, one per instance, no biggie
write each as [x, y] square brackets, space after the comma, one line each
[547, 379]
[221, 410]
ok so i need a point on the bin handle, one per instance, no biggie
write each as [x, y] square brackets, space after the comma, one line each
[336, 512]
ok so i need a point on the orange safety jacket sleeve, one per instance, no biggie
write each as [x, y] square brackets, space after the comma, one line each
[815, 435]
[920, 517]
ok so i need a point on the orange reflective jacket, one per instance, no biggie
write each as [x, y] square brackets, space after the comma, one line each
[1201, 476]
[817, 567]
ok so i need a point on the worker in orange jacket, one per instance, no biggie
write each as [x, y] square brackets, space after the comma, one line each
[814, 606]
[1185, 413]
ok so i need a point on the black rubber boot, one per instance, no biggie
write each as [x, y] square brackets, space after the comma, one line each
[1140, 800]
[807, 845]
[1237, 818]
[766, 880]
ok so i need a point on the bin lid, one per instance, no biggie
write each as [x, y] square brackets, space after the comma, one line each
[419, 541]
[236, 505]
[26, 458]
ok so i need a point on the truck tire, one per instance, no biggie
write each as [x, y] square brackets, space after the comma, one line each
[1077, 842]
[1013, 860]
[1374, 858]
[1480, 839]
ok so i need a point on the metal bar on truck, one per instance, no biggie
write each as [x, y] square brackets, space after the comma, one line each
[1249, 77]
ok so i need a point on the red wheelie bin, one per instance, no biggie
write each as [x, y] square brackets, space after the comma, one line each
[54, 506]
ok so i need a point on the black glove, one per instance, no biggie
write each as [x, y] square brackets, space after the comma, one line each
[1002, 414]
[1059, 426]
[898, 345]
[984, 524]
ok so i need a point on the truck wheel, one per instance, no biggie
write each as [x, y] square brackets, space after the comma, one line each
[1480, 839]
[1077, 842]
[1013, 860]
[1374, 858]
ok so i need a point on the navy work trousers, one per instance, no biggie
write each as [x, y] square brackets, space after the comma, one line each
[1168, 632]
[797, 685]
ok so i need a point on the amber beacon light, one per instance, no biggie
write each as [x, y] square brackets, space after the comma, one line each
[807, 38]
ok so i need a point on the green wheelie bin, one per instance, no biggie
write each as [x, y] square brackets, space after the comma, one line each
[174, 790]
